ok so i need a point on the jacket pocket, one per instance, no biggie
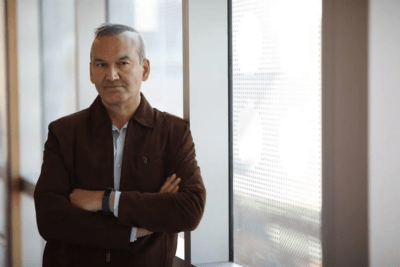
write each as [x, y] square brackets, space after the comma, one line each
[152, 171]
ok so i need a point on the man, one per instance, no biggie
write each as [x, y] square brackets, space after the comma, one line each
[119, 142]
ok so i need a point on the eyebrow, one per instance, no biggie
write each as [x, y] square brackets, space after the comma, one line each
[125, 58]
[122, 58]
[98, 60]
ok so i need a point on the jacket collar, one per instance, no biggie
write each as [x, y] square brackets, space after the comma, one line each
[98, 115]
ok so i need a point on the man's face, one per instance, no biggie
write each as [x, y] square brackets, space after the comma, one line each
[115, 68]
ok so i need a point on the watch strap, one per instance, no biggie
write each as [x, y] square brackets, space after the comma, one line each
[106, 198]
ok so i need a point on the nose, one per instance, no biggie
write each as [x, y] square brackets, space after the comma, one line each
[112, 73]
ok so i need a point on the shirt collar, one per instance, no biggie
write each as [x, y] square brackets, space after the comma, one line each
[115, 128]
[98, 115]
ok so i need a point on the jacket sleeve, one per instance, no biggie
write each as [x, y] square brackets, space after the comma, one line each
[168, 212]
[57, 218]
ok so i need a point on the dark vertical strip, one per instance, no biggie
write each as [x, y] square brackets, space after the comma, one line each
[185, 60]
[42, 74]
[230, 114]
[76, 20]
[345, 149]
[8, 155]
[107, 11]
[188, 258]
[328, 231]
[186, 97]
[13, 205]
[42, 89]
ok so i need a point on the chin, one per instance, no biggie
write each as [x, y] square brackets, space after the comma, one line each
[112, 100]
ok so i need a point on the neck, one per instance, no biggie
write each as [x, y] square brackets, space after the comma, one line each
[120, 114]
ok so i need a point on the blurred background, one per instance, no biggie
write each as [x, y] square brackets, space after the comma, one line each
[313, 118]
[52, 52]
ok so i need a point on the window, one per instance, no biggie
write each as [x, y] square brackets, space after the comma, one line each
[276, 124]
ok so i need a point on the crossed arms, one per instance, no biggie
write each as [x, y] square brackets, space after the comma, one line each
[62, 218]
[92, 200]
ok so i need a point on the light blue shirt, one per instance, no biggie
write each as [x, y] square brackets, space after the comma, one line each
[119, 141]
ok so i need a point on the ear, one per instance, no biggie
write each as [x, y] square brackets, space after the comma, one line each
[91, 72]
[146, 69]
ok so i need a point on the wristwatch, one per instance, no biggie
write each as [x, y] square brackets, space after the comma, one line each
[106, 197]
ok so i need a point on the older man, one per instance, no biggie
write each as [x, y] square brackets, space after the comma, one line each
[119, 180]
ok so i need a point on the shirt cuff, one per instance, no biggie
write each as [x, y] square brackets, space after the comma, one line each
[133, 234]
[116, 203]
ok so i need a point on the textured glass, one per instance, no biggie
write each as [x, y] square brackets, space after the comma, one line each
[277, 132]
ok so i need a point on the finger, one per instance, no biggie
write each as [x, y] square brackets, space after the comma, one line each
[172, 186]
[175, 183]
[175, 189]
[167, 183]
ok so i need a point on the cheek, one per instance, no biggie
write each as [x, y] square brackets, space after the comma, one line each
[96, 77]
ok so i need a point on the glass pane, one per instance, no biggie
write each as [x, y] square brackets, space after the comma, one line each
[32, 242]
[29, 86]
[2, 252]
[277, 132]
[91, 13]
[160, 23]
[59, 60]
[180, 250]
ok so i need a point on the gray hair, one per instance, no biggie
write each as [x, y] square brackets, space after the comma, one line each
[108, 29]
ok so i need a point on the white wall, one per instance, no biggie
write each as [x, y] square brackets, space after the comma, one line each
[208, 104]
[384, 132]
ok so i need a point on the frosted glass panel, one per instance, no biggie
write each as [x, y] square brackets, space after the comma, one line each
[277, 132]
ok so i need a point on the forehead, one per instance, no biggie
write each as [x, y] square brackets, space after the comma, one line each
[115, 46]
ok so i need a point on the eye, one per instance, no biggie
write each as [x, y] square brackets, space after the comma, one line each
[123, 63]
[100, 64]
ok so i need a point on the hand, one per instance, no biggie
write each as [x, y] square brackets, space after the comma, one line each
[86, 199]
[170, 186]
[140, 232]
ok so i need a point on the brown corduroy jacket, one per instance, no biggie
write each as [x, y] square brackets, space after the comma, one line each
[79, 154]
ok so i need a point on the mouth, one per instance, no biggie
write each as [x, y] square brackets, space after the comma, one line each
[112, 86]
